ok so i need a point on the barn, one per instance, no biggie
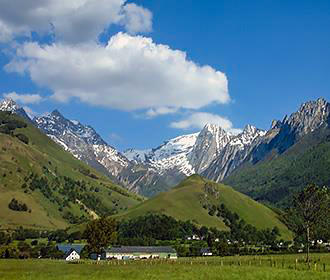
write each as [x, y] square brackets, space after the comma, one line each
[141, 252]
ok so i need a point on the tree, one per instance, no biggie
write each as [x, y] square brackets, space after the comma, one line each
[100, 234]
[310, 212]
[4, 238]
[15, 205]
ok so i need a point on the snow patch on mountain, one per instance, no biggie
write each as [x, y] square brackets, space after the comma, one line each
[249, 134]
[137, 156]
[105, 154]
[172, 155]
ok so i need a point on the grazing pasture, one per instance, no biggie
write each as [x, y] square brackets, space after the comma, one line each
[245, 267]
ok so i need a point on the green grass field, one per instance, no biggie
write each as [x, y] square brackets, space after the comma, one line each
[265, 268]
[185, 202]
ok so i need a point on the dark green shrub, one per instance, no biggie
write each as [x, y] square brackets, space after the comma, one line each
[23, 138]
[15, 205]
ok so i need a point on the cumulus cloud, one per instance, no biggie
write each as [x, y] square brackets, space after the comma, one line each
[71, 21]
[24, 98]
[129, 73]
[199, 119]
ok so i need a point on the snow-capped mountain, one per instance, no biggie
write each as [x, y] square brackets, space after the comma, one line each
[172, 155]
[194, 153]
[10, 105]
[82, 141]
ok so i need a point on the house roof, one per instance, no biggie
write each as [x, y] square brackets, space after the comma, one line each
[65, 248]
[141, 249]
[205, 250]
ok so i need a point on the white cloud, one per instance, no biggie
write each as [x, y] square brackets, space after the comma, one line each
[151, 113]
[24, 98]
[137, 19]
[30, 112]
[199, 119]
[130, 73]
[71, 21]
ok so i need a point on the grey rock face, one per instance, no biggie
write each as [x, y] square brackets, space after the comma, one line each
[83, 142]
[210, 141]
[311, 115]
[234, 153]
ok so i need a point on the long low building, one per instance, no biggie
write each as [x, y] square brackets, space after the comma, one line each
[141, 252]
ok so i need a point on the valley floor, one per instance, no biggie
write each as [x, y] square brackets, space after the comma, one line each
[265, 267]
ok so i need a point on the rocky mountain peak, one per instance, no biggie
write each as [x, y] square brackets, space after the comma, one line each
[315, 105]
[210, 141]
[247, 136]
[276, 124]
[310, 116]
[10, 105]
[249, 129]
[83, 142]
[56, 113]
[57, 125]
[213, 129]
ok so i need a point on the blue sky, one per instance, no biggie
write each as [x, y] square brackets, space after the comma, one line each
[274, 55]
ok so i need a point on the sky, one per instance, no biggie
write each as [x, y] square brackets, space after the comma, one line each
[142, 72]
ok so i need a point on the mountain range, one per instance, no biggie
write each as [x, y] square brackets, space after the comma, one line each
[213, 152]
[52, 189]
[149, 171]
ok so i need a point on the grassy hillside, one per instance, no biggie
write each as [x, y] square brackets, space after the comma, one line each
[275, 179]
[194, 197]
[57, 189]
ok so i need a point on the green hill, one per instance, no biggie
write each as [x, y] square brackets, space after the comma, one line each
[194, 199]
[57, 189]
[279, 176]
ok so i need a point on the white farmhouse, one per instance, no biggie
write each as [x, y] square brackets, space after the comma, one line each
[71, 251]
[72, 255]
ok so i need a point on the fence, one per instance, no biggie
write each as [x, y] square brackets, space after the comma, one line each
[320, 264]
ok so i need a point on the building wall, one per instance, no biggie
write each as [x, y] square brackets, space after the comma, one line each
[73, 256]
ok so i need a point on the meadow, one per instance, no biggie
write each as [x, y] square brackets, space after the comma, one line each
[246, 267]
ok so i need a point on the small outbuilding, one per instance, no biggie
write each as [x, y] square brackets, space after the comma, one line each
[141, 252]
